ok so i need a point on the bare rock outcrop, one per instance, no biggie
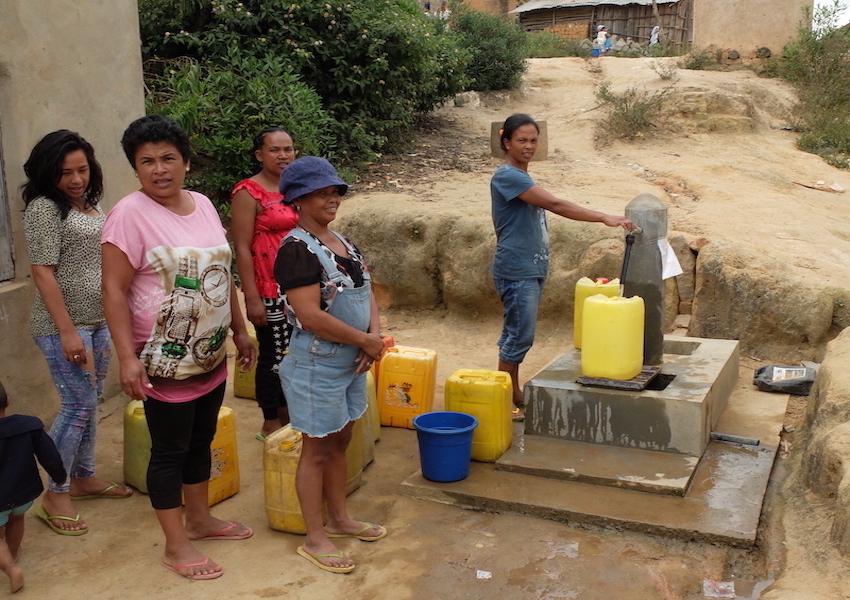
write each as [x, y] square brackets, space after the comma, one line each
[816, 494]
[742, 295]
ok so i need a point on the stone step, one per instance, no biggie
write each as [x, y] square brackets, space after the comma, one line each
[630, 468]
[722, 506]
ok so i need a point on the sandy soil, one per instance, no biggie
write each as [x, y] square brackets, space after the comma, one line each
[737, 186]
[739, 183]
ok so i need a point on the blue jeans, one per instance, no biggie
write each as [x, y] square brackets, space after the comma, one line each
[521, 301]
[80, 391]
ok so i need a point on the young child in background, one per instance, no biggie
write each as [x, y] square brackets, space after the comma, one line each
[22, 440]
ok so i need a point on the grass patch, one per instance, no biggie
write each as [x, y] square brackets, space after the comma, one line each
[698, 60]
[632, 113]
[665, 70]
[818, 63]
[545, 44]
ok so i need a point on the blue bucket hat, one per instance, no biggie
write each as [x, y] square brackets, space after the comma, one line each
[308, 174]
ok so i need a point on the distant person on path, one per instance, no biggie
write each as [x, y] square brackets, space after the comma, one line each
[335, 339]
[22, 441]
[62, 224]
[521, 263]
[259, 221]
[170, 300]
[655, 36]
[602, 38]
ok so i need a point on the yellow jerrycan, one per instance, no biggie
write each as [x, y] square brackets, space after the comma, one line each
[406, 384]
[137, 446]
[224, 472]
[244, 382]
[586, 287]
[486, 395]
[281, 454]
[374, 409]
[354, 457]
[613, 337]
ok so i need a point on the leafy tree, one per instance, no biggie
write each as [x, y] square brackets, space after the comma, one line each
[498, 46]
[222, 109]
[817, 63]
[373, 63]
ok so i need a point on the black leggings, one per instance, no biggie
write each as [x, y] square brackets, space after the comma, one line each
[181, 434]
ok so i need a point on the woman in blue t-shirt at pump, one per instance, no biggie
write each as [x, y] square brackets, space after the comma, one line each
[521, 263]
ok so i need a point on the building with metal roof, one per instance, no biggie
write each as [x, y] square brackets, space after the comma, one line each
[744, 25]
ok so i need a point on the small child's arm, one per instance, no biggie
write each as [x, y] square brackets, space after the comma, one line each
[48, 456]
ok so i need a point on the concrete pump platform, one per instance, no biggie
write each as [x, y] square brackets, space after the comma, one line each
[677, 419]
[643, 485]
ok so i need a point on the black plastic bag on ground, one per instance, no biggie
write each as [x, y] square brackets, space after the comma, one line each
[785, 379]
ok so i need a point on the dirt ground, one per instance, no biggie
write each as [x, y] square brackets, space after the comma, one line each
[432, 551]
[739, 183]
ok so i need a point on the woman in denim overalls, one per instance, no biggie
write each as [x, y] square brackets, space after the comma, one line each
[335, 339]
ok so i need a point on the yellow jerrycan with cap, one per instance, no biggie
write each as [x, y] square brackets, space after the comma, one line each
[586, 287]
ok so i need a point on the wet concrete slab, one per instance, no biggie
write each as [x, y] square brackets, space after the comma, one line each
[722, 505]
[677, 419]
[630, 468]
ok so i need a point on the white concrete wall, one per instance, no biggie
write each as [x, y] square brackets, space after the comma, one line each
[63, 64]
[747, 25]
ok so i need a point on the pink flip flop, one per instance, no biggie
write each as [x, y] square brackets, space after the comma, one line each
[196, 576]
[224, 533]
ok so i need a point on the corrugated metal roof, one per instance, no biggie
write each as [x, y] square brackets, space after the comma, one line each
[538, 4]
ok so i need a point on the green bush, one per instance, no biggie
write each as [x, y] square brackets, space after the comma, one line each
[665, 70]
[632, 113]
[545, 44]
[817, 63]
[373, 63]
[698, 60]
[222, 110]
[497, 48]
[665, 48]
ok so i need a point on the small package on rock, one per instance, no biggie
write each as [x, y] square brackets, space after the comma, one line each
[785, 379]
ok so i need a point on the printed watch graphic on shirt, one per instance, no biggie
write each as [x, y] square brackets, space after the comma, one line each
[192, 322]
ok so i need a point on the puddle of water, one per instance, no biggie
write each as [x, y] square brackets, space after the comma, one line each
[566, 549]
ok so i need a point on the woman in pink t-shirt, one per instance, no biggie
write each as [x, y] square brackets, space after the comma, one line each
[259, 221]
[169, 300]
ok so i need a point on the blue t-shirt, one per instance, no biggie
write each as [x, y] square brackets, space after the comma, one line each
[522, 239]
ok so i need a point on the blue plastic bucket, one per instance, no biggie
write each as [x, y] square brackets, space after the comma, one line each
[445, 444]
[595, 52]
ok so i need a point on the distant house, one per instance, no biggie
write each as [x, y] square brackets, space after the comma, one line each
[744, 25]
[578, 19]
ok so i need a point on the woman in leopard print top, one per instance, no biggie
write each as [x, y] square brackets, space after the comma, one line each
[62, 224]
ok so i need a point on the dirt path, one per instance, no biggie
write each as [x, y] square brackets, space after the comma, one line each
[433, 550]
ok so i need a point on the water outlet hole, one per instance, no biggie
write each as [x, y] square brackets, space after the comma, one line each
[660, 382]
